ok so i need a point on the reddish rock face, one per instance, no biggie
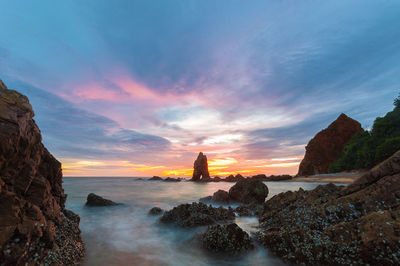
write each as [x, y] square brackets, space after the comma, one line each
[327, 145]
[200, 168]
[33, 219]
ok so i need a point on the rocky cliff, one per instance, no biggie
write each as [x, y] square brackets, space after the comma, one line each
[327, 146]
[200, 168]
[35, 227]
[336, 225]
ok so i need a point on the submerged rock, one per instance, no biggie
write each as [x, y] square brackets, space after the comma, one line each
[200, 168]
[35, 227]
[94, 200]
[249, 191]
[221, 196]
[196, 214]
[327, 146]
[226, 238]
[336, 225]
[155, 211]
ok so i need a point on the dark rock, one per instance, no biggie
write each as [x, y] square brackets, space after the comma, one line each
[232, 178]
[94, 200]
[244, 211]
[336, 225]
[226, 238]
[327, 146]
[221, 196]
[156, 178]
[196, 214]
[33, 218]
[155, 211]
[279, 177]
[200, 168]
[261, 177]
[171, 179]
[249, 191]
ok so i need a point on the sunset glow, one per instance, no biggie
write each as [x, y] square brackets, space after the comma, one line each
[132, 90]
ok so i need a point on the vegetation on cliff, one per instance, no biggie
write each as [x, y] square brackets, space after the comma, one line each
[369, 148]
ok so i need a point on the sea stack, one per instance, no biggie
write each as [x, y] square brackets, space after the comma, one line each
[327, 145]
[35, 227]
[200, 168]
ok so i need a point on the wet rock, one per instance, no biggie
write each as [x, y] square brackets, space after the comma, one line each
[279, 177]
[200, 168]
[221, 196]
[261, 177]
[94, 200]
[156, 178]
[226, 238]
[327, 146]
[155, 211]
[32, 200]
[336, 225]
[249, 191]
[196, 214]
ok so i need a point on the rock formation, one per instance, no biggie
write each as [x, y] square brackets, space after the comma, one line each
[221, 196]
[232, 178]
[200, 168]
[336, 225]
[226, 238]
[155, 211]
[196, 214]
[94, 200]
[35, 227]
[327, 146]
[249, 191]
[156, 178]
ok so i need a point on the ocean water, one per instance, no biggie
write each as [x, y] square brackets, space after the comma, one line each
[126, 235]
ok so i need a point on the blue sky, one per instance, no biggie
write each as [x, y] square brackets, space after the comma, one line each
[137, 88]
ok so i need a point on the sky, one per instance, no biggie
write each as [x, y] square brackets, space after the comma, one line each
[139, 88]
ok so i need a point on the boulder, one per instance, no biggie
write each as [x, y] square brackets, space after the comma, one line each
[226, 238]
[249, 191]
[196, 214]
[155, 211]
[94, 200]
[200, 168]
[221, 196]
[337, 225]
[35, 227]
[327, 146]
[244, 211]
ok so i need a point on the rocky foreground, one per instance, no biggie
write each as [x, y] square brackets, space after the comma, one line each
[35, 227]
[336, 225]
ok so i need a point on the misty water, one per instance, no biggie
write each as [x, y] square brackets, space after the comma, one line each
[126, 235]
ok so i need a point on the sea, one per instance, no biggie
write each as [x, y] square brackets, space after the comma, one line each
[127, 235]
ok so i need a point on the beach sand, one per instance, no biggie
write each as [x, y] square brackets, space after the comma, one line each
[339, 178]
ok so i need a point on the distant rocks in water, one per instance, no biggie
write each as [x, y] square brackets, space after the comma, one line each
[336, 225]
[263, 177]
[35, 226]
[226, 238]
[196, 214]
[155, 211]
[249, 191]
[156, 178]
[221, 196]
[200, 168]
[232, 178]
[327, 146]
[94, 200]
[171, 179]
